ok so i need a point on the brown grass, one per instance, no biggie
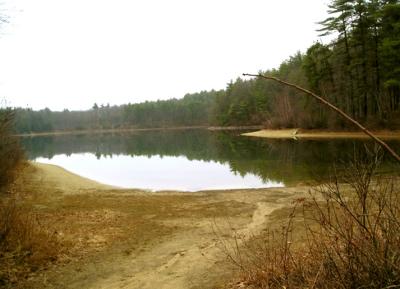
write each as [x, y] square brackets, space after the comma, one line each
[347, 235]
[10, 153]
[25, 245]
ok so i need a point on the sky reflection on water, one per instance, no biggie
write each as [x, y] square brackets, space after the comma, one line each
[198, 159]
[157, 173]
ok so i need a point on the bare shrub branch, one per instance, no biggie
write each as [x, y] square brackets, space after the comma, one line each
[334, 108]
[352, 240]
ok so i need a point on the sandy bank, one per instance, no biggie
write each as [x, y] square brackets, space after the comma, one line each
[56, 177]
[120, 238]
[313, 134]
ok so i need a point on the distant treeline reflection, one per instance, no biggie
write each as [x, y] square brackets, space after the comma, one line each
[288, 161]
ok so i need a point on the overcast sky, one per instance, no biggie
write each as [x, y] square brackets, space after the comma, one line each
[72, 53]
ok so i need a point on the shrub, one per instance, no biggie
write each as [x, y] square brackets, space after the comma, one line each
[25, 245]
[352, 237]
[10, 153]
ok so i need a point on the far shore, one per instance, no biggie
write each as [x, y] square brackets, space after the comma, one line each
[111, 130]
[123, 130]
[319, 134]
[294, 133]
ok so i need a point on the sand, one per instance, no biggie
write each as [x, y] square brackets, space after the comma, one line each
[311, 134]
[120, 238]
[59, 178]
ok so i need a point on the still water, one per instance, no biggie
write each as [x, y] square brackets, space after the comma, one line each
[193, 160]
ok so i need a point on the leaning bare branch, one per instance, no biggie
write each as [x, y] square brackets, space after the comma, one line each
[334, 108]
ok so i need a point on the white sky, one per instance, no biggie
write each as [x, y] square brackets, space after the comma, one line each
[72, 53]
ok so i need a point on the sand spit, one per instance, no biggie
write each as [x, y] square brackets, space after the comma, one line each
[314, 134]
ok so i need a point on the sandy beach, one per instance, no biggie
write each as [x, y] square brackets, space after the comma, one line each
[121, 238]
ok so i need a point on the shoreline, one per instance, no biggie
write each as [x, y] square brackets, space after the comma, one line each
[65, 180]
[319, 134]
[101, 131]
[227, 128]
[169, 236]
[124, 130]
[58, 176]
[294, 133]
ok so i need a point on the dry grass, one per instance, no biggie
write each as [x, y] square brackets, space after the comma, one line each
[347, 235]
[25, 245]
[10, 153]
[97, 224]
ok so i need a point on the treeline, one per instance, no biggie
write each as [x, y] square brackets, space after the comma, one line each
[359, 72]
[191, 110]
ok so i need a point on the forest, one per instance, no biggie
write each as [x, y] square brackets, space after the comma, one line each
[358, 71]
[191, 110]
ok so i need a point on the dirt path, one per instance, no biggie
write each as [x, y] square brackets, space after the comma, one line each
[190, 259]
[135, 239]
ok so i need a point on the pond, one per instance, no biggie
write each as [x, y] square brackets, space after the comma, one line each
[192, 160]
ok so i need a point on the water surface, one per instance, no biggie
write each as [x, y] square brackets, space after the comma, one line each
[194, 159]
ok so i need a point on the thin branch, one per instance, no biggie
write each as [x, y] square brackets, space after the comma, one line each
[336, 109]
